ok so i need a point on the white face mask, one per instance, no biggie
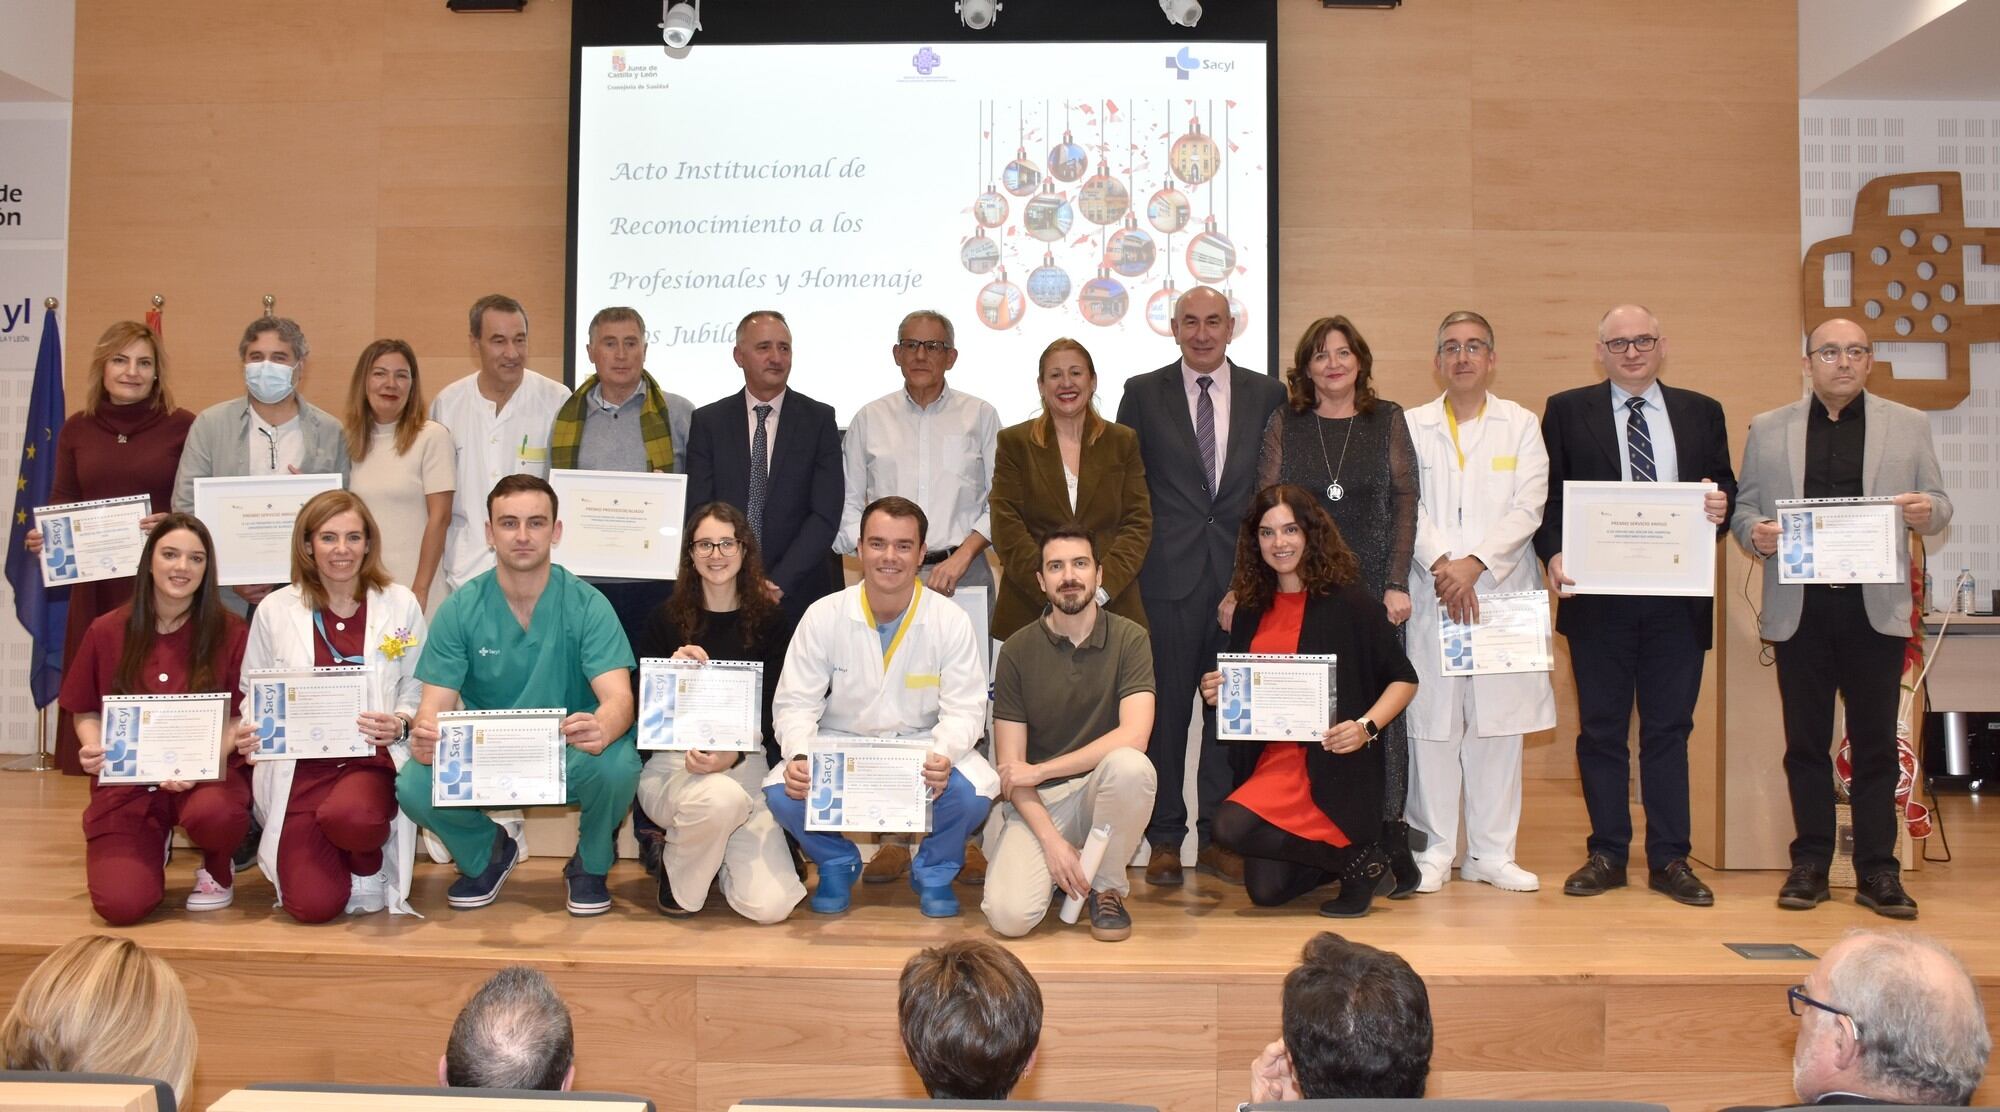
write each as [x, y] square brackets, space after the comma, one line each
[269, 382]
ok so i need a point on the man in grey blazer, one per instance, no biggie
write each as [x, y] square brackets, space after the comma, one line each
[1839, 442]
[1199, 421]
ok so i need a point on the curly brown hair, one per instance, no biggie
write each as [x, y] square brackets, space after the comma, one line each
[1299, 388]
[684, 605]
[1327, 562]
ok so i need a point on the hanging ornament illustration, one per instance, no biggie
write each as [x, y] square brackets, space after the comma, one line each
[1210, 255]
[990, 209]
[1104, 199]
[1048, 284]
[1169, 210]
[1194, 157]
[1000, 303]
[979, 254]
[1021, 177]
[1160, 309]
[1048, 217]
[1103, 301]
[1239, 313]
[1066, 159]
[1130, 251]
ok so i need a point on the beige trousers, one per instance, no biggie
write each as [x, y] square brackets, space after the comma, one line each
[1119, 791]
[718, 823]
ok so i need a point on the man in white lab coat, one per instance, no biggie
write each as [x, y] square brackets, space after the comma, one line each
[1484, 477]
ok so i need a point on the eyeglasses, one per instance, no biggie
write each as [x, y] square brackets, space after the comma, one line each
[1831, 354]
[727, 546]
[1641, 343]
[933, 347]
[1474, 348]
[1796, 995]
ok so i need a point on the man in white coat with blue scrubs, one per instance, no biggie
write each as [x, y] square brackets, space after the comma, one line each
[1484, 477]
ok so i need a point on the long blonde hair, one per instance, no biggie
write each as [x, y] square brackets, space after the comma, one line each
[103, 1005]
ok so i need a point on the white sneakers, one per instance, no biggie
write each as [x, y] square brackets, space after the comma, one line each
[1504, 875]
[208, 895]
[1431, 875]
[367, 894]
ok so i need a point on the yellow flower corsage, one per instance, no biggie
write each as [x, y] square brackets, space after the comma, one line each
[394, 645]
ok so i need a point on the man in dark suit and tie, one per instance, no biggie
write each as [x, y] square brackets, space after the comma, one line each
[775, 454]
[1633, 428]
[1200, 420]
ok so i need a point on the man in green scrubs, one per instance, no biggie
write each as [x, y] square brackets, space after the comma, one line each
[529, 634]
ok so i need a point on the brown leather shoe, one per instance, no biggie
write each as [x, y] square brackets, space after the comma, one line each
[974, 869]
[1221, 863]
[891, 860]
[1163, 867]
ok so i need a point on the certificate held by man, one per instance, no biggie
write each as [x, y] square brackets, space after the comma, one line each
[87, 541]
[1638, 538]
[1274, 696]
[499, 758]
[251, 519]
[1840, 540]
[867, 783]
[1511, 635]
[711, 705]
[309, 713]
[155, 739]
[619, 524]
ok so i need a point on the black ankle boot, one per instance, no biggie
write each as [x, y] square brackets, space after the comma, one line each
[1402, 863]
[1366, 876]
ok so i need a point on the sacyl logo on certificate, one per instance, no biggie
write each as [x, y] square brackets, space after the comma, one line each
[309, 713]
[1274, 696]
[86, 541]
[1840, 540]
[152, 739]
[500, 758]
[867, 783]
[1511, 635]
[688, 704]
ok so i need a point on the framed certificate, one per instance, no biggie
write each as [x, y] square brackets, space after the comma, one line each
[251, 519]
[1840, 540]
[686, 704]
[1274, 696]
[868, 783]
[309, 713]
[1638, 539]
[500, 758]
[87, 541]
[972, 600]
[1512, 635]
[621, 524]
[151, 739]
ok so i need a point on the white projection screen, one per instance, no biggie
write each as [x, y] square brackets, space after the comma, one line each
[1027, 190]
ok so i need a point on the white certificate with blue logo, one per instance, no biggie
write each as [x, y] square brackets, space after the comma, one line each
[1511, 635]
[1274, 696]
[715, 706]
[1840, 540]
[151, 739]
[309, 713]
[86, 541]
[867, 783]
[500, 758]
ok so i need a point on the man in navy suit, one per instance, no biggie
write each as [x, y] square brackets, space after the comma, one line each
[774, 454]
[1200, 422]
[1633, 428]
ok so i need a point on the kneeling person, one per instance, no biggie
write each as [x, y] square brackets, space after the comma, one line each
[1072, 709]
[528, 634]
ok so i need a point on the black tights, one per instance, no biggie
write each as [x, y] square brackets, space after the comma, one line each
[1278, 866]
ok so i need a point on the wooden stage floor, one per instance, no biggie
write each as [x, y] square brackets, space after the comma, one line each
[1625, 996]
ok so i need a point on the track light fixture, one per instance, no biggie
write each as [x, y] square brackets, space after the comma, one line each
[679, 20]
[1186, 13]
[977, 14]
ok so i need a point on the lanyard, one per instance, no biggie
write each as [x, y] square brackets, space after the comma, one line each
[319, 623]
[903, 627]
[1451, 420]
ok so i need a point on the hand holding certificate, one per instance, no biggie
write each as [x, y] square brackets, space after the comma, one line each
[305, 714]
[157, 739]
[1840, 540]
[714, 705]
[625, 524]
[867, 783]
[1638, 538]
[1274, 697]
[251, 519]
[86, 541]
[1512, 635]
[499, 758]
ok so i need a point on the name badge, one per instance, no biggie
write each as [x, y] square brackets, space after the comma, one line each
[531, 454]
[928, 679]
[1503, 463]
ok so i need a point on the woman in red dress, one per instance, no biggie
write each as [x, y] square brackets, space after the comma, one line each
[1308, 814]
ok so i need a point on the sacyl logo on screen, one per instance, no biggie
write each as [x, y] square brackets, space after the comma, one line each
[14, 318]
[926, 60]
[1184, 63]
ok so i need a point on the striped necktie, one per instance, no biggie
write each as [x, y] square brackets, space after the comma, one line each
[1638, 442]
[1204, 431]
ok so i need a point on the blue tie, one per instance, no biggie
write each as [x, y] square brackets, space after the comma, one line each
[1638, 442]
[760, 472]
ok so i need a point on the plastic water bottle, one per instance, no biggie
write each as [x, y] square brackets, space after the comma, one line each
[1966, 592]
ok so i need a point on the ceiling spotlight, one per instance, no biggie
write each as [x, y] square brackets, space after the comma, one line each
[978, 14]
[1186, 13]
[678, 22]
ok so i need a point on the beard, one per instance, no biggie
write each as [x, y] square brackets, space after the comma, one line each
[1061, 601]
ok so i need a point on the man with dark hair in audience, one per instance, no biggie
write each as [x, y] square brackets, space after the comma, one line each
[971, 1016]
[1357, 1023]
[513, 1034]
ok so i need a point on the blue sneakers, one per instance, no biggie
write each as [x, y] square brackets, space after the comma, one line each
[588, 893]
[938, 902]
[478, 891]
[836, 888]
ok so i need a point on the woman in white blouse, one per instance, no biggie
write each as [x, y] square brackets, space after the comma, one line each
[402, 463]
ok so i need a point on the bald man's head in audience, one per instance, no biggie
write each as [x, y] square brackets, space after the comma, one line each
[514, 1034]
[1892, 1017]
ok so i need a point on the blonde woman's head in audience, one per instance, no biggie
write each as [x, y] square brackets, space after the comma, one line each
[103, 1005]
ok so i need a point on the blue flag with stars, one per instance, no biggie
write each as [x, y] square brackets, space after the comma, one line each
[43, 613]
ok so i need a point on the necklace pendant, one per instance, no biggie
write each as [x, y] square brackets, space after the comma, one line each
[121, 438]
[1335, 492]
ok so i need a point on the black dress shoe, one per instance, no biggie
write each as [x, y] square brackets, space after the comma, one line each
[669, 907]
[1680, 884]
[1366, 876]
[1804, 888]
[1597, 877]
[1883, 894]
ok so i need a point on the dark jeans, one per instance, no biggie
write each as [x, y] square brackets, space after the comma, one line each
[1185, 641]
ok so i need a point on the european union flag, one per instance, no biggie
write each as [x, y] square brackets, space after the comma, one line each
[43, 613]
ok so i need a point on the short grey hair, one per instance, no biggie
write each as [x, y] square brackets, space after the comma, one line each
[942, 321]
[514, 1034]
[1652, 318]
[1920, 1021]
[288, 330]
[753, 314]
[1467, 316]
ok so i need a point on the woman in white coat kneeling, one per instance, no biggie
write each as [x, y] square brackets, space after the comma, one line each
[333, 839]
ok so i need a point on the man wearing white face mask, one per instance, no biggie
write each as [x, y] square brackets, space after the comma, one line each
[270, 430]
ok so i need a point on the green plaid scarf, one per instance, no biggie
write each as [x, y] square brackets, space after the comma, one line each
[566, 435]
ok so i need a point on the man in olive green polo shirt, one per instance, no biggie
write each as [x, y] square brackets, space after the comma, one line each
[1072, 709]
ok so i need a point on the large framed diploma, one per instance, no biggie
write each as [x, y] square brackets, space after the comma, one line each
[151, 739]
[1274, 696]
[251, 519]
[499, 758]
[972, 600]
[620, 524]
[686, 704]
[1638, 538]
[309, 713]
[1512, 635]
[87, 541]
[1840, 540]
[867, 783]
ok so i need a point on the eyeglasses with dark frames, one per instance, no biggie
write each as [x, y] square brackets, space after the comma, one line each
[1640, 343]
[1796, 995]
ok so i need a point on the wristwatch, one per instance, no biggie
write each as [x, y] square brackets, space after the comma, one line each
[405, 720]
[1368, 725]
